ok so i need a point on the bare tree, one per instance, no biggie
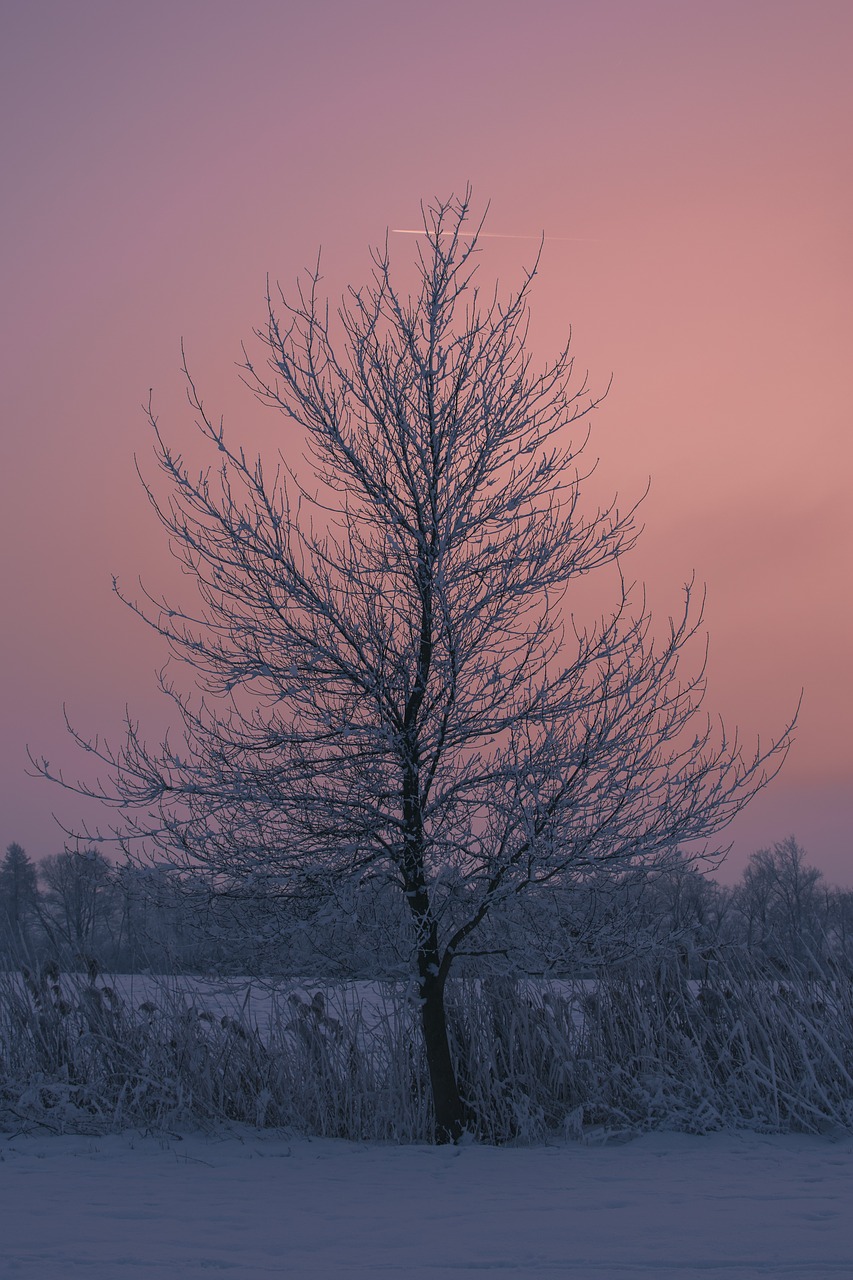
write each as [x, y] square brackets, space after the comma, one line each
[785, 913]
[388, 680]
[77, 906]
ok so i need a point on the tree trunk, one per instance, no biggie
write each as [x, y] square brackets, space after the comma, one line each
[448, 1105]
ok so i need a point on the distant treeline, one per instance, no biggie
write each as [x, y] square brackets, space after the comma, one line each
[83, 912]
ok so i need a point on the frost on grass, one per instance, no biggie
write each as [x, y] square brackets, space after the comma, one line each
[643, 1048]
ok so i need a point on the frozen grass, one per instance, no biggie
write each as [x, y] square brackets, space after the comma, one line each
[638, 1050]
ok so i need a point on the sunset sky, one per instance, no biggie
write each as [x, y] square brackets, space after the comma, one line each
[691, 166]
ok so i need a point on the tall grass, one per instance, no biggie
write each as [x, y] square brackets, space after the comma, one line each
[641, 1048]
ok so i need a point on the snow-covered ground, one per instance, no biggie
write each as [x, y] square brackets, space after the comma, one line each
[252, 1205]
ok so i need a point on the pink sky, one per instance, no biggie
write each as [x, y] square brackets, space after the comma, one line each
[693, 163]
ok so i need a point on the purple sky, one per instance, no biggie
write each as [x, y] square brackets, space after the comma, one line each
[693, 165]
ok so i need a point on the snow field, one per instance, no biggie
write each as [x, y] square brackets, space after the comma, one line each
[733, 1205]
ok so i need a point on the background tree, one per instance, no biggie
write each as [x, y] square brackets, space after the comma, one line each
[77, 907]
[389, 681]
[785, 913]
[840, 910]
[18, 900]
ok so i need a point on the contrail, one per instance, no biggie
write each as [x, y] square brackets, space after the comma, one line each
[491, 235]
